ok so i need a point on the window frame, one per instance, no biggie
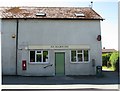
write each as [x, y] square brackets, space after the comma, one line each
[83, 61]
[36, 56]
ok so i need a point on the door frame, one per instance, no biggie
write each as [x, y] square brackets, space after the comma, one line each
[55, 60]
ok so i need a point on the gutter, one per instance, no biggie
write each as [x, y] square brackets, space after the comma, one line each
[59, 18]
[17, 26]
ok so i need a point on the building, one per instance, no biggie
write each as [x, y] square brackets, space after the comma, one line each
[108, 50]
[49, 41]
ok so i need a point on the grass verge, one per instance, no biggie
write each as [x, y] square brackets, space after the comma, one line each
[108, 69]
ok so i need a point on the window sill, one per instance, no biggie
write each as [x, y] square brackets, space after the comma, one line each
[80, 62]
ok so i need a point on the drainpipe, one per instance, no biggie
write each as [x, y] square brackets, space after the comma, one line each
[17, 26]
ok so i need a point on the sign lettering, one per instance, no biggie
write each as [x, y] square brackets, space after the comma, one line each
[59, 46]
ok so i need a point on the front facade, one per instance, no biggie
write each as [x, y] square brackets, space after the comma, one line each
[50, 43]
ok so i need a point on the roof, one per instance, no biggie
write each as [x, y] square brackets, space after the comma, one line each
[50, 12]
[108, 50]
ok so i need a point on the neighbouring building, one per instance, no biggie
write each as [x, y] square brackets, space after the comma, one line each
[108, 50]
[49, 41]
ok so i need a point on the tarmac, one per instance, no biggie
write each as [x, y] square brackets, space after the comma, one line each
[109, 80]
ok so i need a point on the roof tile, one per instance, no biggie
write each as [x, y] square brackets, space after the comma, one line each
[51, 12]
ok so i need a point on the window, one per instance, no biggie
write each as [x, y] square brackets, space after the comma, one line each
[45, 56]
[86, 57]
[39, 56]
[32, 56]
[73, 56]
[79, 56]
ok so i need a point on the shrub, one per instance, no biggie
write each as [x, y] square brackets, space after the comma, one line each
[105, 59]
[114, 59]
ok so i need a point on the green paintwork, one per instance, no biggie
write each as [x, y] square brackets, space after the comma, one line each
[60, 61]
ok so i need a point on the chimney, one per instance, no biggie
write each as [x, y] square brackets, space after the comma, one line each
[91, 4]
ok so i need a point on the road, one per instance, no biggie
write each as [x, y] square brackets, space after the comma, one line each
[108, 81]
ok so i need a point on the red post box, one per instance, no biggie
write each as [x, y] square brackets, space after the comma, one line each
[24, 65]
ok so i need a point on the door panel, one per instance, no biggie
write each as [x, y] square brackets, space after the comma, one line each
[60, 63]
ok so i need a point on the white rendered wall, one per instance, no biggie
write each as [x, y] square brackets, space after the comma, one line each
[8, 47]
[61, 32]
[50, 32]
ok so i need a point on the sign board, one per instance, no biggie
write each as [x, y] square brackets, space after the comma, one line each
[58, 47]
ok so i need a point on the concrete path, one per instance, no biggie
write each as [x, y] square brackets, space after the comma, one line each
[59, 87]
[66, 90]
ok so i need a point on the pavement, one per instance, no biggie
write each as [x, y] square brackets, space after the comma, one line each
[64, 90]
[109, 81]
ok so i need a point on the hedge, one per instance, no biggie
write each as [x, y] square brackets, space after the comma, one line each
[105, 59]
[114, 60]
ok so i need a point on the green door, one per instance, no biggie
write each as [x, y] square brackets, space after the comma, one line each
[60, 63]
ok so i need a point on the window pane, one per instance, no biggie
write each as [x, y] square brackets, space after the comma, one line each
[86, 55]
[32, 56]
[79, 57]
[38, 51]
[45, 56]
[79, 51]
[38, 58]
[73, 56]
